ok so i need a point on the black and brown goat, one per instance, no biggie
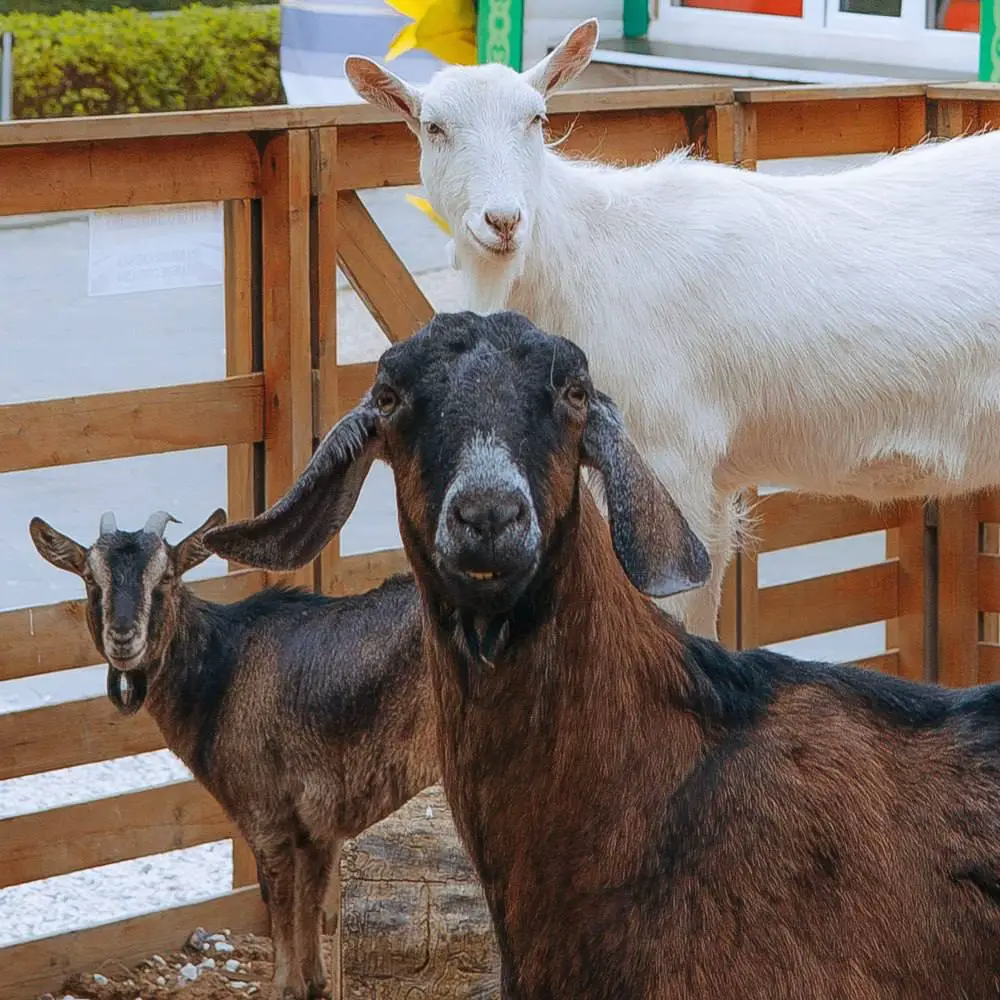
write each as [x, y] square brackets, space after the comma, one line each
[308, 718]
[651, 815]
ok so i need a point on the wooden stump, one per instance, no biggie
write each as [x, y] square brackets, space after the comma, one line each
[415, 922]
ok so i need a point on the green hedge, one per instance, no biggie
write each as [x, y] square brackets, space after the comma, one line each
[58, 6]
[126, 61]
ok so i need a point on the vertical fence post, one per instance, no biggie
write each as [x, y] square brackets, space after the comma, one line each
[907, 634]
[323, 279]
[958, 591]
[287, 353]
[241, 471]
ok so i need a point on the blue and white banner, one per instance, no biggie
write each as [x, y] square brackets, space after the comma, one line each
[318, 35]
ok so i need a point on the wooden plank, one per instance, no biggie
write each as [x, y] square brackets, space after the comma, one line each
[625, 138]
[748, 589]
[958, 591]
[722, 133]
[52, 637]
[329, 237]
[38, 435]
[358, 573]
[77, 732]
[816, 93]
[827, 603]
[950, 119]
[28, 969]
[107, 174]
[989, 663]
[281, 117]
[239, 349]
[989, 506]
[788, 519]
[912, 115]
[71, 838]
[971, 91]
[373, 156]
[989, 582]
[729, 606]
[909, 632]
[376, 273]
[827, 128]
[288, 417]
[885, 663]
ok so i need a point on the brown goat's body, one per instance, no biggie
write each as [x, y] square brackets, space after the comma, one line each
[309, 720]
[673, 821]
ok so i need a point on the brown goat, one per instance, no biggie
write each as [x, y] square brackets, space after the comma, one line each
[651, 815]
[308, 718]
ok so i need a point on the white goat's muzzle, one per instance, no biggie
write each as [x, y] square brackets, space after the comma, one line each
[496, 230]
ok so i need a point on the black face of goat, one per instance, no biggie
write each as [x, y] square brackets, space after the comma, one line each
[486, 422]
[132, 580]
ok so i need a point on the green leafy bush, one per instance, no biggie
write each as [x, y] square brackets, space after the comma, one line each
[86, 63]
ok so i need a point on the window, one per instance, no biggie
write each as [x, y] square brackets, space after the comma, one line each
[828, 39]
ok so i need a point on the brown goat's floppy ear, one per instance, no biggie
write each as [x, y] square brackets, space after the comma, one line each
[653, 542]
[57, 548]
[294, 531]
[191, 551]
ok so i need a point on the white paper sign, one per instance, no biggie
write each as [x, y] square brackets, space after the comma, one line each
[152, 249]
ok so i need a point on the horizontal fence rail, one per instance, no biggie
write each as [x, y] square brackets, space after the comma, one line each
[289, 179]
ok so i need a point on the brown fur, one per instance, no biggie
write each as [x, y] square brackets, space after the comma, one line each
[308, 719]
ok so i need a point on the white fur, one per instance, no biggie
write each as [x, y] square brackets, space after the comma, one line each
[836, 334]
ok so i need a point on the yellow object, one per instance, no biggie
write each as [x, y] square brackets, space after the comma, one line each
[428, 209]
[444, 28]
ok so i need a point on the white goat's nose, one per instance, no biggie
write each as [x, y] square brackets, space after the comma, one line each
[503, 221]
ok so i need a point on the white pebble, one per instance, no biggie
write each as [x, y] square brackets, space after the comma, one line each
[100, 980]
[238, 984]
[205, 946]
[159, 959]
[227, 932]
[198, 937]
[216, 937]
[208, 963]
[160, 981]
[232, 965]
[224, 946]
[189, 972]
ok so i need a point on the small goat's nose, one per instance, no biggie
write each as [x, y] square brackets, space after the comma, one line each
[488, 515]
[503, 221]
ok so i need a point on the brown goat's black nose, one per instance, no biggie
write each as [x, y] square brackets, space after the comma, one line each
[488, 515]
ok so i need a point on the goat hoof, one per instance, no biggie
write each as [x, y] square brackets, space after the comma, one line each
[319, 991]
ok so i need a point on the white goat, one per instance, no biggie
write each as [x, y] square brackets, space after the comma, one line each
[836, 334]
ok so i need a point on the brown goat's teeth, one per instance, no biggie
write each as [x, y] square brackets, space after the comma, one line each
[480, 576]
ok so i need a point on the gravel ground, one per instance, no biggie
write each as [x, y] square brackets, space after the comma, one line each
[57, 341]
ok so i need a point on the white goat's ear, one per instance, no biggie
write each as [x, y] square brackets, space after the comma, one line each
[566, 61]
[384, 89]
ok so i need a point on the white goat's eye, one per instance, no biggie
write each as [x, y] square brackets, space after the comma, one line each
[434, 129]
[540, 119]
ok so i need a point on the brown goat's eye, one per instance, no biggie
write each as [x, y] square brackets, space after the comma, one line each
[386, 401]
[576, 396]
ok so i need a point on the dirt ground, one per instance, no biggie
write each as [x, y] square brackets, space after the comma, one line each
[160, 976]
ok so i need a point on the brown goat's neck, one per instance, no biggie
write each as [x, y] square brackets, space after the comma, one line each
[539, 757]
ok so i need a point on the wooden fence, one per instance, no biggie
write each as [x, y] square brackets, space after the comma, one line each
[289, 180]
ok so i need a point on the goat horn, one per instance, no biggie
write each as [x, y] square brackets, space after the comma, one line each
[158, 522]
[108, 523]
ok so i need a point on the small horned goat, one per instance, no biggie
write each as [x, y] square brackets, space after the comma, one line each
[308, 718]
[651, 815]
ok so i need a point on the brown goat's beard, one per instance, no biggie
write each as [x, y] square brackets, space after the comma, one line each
[136, 688]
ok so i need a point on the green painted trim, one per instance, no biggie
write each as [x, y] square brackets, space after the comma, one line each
[500, 32]
[989, 41]
[635, 18]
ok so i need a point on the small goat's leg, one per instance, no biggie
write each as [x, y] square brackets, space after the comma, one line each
[277, 865]
[314, 863]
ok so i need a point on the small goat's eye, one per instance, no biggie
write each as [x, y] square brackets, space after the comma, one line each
[576, 395]
[434, 129]
[386, 401]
